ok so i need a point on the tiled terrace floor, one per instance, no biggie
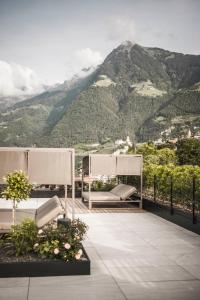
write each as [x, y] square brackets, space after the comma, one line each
[133, 255]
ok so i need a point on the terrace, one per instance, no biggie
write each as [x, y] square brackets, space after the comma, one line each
[134, 254]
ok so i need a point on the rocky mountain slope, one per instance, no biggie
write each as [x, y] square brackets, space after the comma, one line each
[137, 91]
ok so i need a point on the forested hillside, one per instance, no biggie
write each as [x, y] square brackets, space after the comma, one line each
[137, 91]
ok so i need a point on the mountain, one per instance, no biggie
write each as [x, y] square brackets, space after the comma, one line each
[137, 91]
[22, 93]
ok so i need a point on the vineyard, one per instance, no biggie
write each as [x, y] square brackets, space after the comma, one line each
[168, 177]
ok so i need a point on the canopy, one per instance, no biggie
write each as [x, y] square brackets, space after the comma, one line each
[109, 164]
[42, 165]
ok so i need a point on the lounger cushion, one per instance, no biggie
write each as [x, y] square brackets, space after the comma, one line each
[100, 196]
[42, 215]
[48, 211]
[6, 220]
[123, 191]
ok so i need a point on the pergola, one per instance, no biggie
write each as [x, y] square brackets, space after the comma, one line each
[52, 166]
[112, 165]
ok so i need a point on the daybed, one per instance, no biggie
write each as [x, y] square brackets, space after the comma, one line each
[94, 165]
[44, 214]
[121, 192]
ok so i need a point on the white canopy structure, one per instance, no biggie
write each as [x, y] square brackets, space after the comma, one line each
[42, 165]
[110, 164]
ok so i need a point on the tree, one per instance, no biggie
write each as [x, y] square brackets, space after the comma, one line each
[147, 149]
[18, 188]
[188, 152]
[166, 156]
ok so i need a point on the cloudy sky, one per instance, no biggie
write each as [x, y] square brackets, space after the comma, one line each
[50, 40]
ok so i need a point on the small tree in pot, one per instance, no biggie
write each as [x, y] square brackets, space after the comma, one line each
[18, 188]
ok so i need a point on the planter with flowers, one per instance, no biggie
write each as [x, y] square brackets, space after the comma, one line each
[50, 251]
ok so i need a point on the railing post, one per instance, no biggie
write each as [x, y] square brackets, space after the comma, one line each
[194, 220]
[154, 188]
[171, 195]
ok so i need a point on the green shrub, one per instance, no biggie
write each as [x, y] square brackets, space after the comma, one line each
[50, 242]
[22, 237]
[61, 242]
[99, 185]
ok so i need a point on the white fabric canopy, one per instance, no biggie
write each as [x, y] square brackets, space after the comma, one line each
[102, 165]
[106, 164]
[50, 166]
[43, 165]
[11, 160]
[129, 165]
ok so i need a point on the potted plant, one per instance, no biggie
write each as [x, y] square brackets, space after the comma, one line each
[18, 188]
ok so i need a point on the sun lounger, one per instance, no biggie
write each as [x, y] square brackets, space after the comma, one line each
[121, 192]
[42, 215]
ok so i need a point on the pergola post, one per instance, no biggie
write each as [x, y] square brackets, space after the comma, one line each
[141, 189]
[66, 214]
[73, 183]
[90, 203]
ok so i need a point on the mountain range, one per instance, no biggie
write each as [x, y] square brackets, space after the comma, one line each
[141, 92]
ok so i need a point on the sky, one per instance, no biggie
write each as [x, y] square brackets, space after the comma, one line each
[48, 41]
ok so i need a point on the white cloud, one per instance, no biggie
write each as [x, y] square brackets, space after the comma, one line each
[83, 58]
[16, 80]
[121, 29]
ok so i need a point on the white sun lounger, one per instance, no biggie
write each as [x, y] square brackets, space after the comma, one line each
[119, 193]
[44, 214]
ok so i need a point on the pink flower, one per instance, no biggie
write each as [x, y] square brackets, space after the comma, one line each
[77, 256]
[67, 246]
[35, 245]
[77, 237]
[80, 251]
[56, 251]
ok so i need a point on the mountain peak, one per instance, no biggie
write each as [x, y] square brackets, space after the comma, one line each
[126, 45]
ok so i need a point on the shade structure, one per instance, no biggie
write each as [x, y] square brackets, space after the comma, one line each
[42, 165]
[129, 165]
[11, 160]
[102, 164]
[110, 164]
[50, 166]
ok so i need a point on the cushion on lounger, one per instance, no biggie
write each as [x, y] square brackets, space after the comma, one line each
[100, 196]
[48, 211]
[20, 215]
[123, 191]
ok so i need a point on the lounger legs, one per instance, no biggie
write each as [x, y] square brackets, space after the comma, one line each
[90, 204]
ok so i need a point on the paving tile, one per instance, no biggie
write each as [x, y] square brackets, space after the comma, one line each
[139, 260]
[95, 279]
[178, 249]
[185, 256]
[169, 290]
[78, 292]
[193, 269]
[13, 293]
[14, 282]
[107, 252]
[142, 274]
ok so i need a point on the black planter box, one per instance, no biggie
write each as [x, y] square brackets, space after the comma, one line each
[45, 268]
